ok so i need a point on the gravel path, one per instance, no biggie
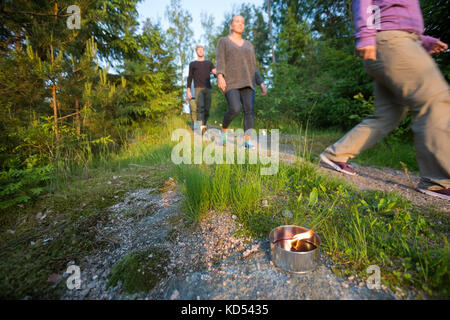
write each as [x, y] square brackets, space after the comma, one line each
[371, 178]
[206, 262]
[210, 262]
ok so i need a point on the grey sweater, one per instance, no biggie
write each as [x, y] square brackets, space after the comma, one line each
[237, 64]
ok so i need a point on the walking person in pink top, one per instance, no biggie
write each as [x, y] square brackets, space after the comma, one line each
[398, 57]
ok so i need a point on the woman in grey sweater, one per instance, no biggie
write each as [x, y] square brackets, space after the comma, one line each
[237, 75]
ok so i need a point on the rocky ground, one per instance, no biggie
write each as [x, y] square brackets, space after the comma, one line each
[210, 262]
[206, 262]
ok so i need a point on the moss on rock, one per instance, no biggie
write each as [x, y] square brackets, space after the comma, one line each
[140, 271]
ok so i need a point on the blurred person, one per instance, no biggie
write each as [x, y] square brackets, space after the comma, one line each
[397, 56]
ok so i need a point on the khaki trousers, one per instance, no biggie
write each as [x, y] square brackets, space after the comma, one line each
[193, 106]
[405, 77]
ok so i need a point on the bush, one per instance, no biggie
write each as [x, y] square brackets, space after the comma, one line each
[19, 186]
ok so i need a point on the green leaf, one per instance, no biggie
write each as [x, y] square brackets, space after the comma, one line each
[313, 197]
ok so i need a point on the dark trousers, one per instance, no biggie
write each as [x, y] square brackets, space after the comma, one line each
[203, 99]
[234, 98]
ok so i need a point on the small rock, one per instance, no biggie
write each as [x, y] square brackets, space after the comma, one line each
[361, 284]
[32, 243]
[84, 293]
[10, 231]
[399, 291]
[41, 216]
[175, 295]
[287, 214]
[47, 240]
[204, 277]
[351, 278]
[246, 253]
[54, 277]
[345, 285]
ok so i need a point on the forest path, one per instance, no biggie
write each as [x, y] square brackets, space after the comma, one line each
[367, 177]
[209, 261]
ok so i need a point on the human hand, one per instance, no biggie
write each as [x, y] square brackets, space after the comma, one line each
[263, 89]
[367, 52]
[221, 83]
[189, 94]
[438, 47]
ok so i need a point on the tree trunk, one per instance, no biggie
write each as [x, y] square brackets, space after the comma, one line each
[55, 112]
[54, 102]
[77, 115]
[270, 31]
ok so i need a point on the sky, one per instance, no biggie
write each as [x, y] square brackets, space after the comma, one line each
[155, 9]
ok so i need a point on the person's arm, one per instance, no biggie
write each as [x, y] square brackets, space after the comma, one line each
[213, 70]
[433, 45]
[189, 82]
[258, 79]
[220, 56]
[428, 42]
[366, 45]
[260, 82]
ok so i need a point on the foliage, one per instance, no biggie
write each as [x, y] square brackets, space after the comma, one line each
[317, 75]
[437, 25]
[19, 186]
[180, 37]
[61, 107]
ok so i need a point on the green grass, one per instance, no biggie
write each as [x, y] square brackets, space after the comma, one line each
[358, 229]
[402, 155]
[401, 151]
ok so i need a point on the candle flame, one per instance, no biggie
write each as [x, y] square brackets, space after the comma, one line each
[296, 240]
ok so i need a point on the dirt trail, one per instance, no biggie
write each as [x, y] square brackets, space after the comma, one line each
[367, 178]
[371, 178]
[211, 262]
[206, 262]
